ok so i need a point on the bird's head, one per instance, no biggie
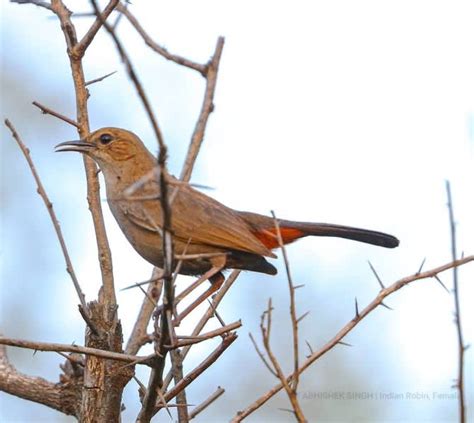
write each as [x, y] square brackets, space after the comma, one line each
[112, 148]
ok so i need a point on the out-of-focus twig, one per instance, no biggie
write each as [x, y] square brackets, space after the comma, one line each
[457, 310]
[206, 403]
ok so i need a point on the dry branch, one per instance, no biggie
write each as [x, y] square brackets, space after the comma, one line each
[52, 214]
[457, 311]
[48, 346]
[47, 111]
[348, 327]
[59, 396]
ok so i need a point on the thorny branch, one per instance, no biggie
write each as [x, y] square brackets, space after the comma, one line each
[265, 327]
[377, 301]
[93, 197]
[52, 214]
[47, 346]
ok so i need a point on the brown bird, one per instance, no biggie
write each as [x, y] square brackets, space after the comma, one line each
[217, 236]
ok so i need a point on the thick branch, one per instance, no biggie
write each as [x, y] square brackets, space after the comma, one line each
[54, 395]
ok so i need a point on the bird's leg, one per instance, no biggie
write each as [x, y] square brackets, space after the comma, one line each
[216, 278]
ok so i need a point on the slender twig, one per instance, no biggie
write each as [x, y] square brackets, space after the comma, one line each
[52, 214]
[206, 109]
[47, 111]
[206, 403]
[55, 347]
[139, 329]
[348, 327]
[457, 310]
[208, 335]
[81, 47]
[294, 318]
[39, 3]
[177, 370]
[290, 391]
[197, 371]
[207, 315]
[100, 78]
[156, 47]
[133, 76]
[262, 357]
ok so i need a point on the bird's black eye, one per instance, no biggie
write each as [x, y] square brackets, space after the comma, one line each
[105, 138]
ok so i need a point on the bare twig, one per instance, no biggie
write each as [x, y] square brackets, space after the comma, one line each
[294, 318]
[191, 340]
[348, 327]
[139, 330]
[93, 197]
[39, 3]
[81, 47]
[201, 407]
[207, 315]
[457, 312]
[156, 47]
[206, 109]
[47, 111]
[262, 357]
[52, 214]
[133, 76]
[197, 371]
[177, 370]
[101, 78]
[55, 347]
[290, 391]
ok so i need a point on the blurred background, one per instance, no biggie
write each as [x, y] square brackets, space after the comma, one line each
[343, 112]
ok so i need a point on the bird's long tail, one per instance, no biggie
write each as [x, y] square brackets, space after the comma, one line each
[265, 231]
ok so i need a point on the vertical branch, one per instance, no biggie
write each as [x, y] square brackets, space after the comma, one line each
[457, 307]
[206, 109]
[294, 319]
[93, 197]
[265, 328]
[139, 332]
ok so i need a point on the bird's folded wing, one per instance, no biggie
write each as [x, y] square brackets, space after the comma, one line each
[197, 217]
[207, 221]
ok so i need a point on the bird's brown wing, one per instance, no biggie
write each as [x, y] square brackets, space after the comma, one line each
[197, 217]
[207, 221]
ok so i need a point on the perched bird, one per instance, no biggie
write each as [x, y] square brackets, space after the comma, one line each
[217, 236]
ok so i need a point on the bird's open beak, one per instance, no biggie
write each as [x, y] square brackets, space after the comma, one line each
[79, 146]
